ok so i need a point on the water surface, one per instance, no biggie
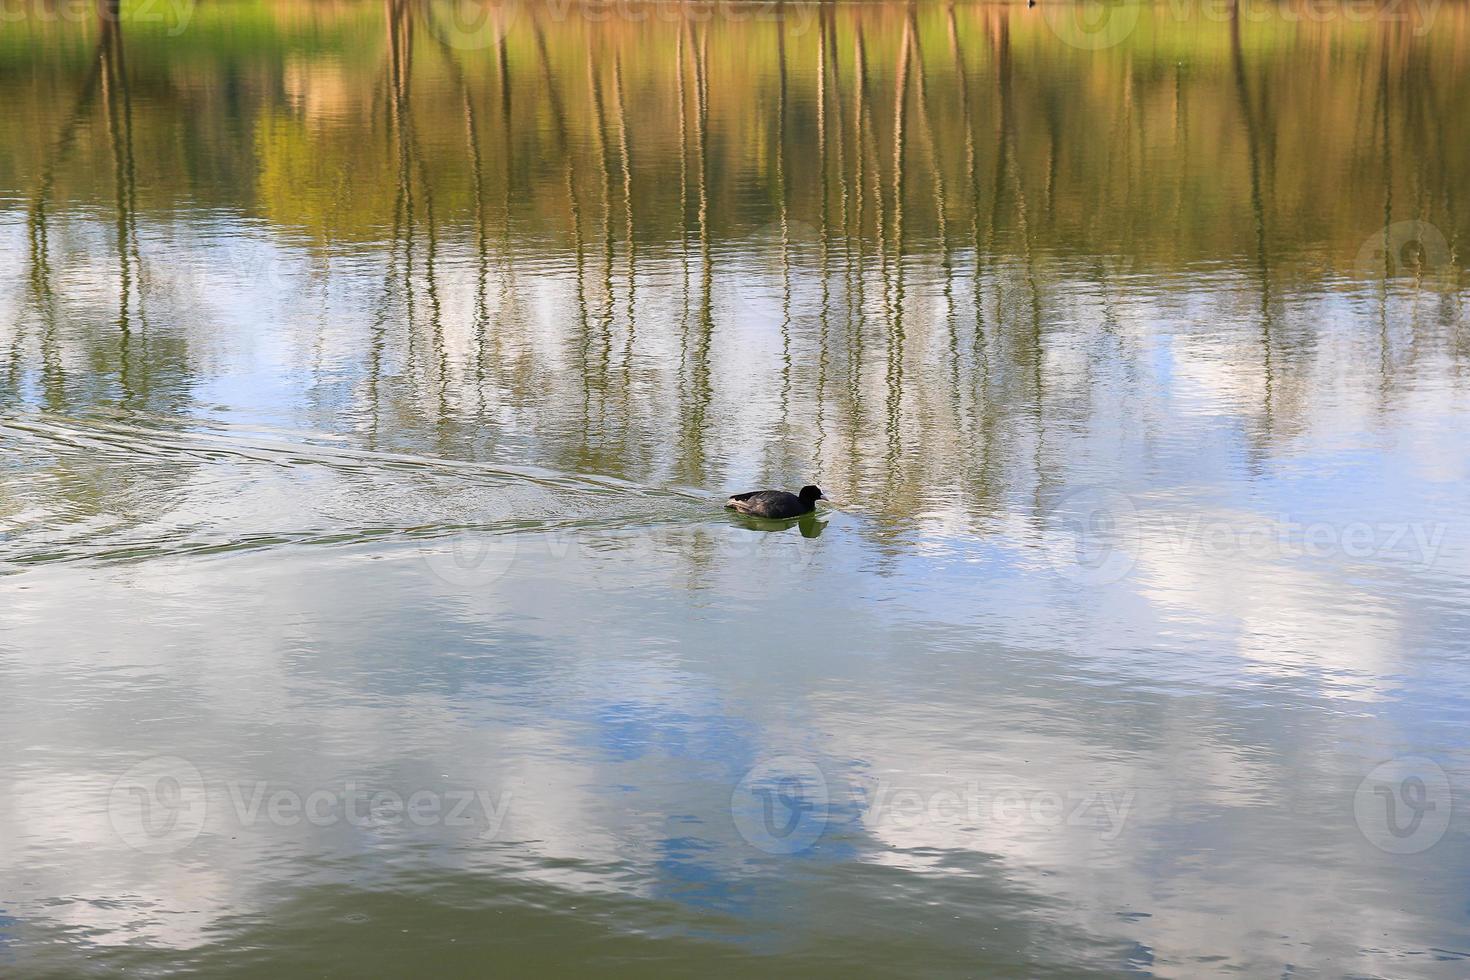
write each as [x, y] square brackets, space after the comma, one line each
[371, 375]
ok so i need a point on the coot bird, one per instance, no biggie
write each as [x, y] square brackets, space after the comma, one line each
[776, 503]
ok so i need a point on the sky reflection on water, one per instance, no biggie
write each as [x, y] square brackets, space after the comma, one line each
[368, 401]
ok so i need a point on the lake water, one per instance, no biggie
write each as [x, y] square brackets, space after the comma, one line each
[372, 376]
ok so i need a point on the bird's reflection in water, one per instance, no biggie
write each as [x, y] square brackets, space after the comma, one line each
[810, 525]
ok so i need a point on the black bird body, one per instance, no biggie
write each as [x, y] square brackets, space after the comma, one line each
[776, 503]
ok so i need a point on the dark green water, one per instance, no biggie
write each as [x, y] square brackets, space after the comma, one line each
[372, 375]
